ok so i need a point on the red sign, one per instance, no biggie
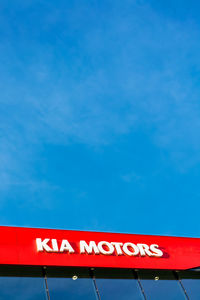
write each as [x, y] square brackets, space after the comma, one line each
[47, 247]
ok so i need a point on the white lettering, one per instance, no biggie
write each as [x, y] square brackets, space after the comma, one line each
[54, 245]
[108, 250]
[92, 247]
[65, 246]
[118, 247]
[128, 252]
[42, 245]
[156, 252]
[103, 247]
[144, 249]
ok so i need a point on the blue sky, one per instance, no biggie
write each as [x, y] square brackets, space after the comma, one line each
[100, 115]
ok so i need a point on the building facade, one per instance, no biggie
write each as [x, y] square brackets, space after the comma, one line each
[62, 264]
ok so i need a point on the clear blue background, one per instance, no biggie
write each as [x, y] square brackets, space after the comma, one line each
[100, 115]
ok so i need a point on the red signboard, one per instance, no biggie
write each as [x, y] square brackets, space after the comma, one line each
[47, 247]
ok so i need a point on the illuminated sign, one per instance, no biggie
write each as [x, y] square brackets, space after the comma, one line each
[69, 248]
[103, 247]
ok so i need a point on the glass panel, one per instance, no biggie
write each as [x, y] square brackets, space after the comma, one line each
[77, 285]
[191, 285]
[22, 288]
[119, 286]
[67, 288]
[160, 285]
